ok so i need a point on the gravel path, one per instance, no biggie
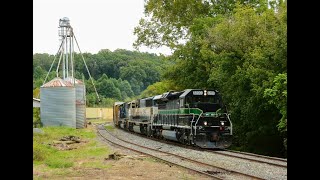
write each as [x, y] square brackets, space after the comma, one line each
[261, 170]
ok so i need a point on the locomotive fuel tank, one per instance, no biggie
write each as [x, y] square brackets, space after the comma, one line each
[122, 125]
[136, 129]
[171, 135]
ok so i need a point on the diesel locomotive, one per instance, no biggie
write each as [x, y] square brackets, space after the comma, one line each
[195, 117]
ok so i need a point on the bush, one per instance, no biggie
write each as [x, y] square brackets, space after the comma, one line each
[36, 118]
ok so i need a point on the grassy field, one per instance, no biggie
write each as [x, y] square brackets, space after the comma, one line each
[49, 162]
[90, 158]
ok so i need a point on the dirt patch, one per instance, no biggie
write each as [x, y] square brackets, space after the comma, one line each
[39, 174]
[132, 167]
[115, 156]
[68, 143]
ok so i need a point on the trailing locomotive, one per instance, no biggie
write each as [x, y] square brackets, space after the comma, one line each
[193, 116]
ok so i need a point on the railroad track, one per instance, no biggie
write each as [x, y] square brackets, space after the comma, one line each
[254, 157]
[273, 161]
[257, 155]
[209, 170]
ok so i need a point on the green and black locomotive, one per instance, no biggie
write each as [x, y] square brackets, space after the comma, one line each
[193, 116]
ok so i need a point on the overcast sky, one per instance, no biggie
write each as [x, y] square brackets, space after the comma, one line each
[97, 24]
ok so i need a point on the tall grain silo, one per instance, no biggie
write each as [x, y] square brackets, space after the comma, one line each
[63, 100]
[58, 107]
[80, 102]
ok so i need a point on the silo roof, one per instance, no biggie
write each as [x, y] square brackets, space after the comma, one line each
[58, 82]
[77, 81]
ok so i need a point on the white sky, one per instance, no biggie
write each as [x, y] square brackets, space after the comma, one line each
[97, 24]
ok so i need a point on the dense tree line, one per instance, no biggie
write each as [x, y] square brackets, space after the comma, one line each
[236, 47]
[118, 75]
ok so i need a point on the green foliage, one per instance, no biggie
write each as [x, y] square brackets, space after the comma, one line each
[38, 73]
[246, 57]
[43, 60]
[106, 88]
[125, 89]
[158, 88]
[235, 48]
[277, 96]
[117, 75]
[167, 22]
[91, 100]
[36, 93]
[106, 102]
[37, 83]
[36, 117]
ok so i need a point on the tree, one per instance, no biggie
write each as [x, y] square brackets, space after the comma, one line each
[36, 93]
[167, 23]
[106, 88]
[147, 65]
[277, 96]
[38, 73]
[91, 100]
[125, 89]
[159, 88]
[238, 52]
[136, 86]
[36, 117]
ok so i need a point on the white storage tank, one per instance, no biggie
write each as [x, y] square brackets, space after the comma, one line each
[58, 107]
[80, 102]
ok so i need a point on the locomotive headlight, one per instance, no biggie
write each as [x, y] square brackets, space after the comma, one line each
[205, 123]
[222, 123]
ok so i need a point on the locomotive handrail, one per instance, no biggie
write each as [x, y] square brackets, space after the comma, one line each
[230, 123]
[195, 125]
[192, 121]
[188, 107]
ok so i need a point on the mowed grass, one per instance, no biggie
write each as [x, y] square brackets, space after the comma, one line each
[49, 161]
[98, 121]
[109, 119]
[109, 127]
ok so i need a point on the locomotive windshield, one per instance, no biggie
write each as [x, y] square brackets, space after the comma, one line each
[207, 103]
[203, 99]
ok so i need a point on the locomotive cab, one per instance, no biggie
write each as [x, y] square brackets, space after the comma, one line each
[212, 127]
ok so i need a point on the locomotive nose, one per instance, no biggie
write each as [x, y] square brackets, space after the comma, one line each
[214, 137]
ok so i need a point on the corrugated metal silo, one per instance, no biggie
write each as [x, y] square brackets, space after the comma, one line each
[58, 103]
[80, 102]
